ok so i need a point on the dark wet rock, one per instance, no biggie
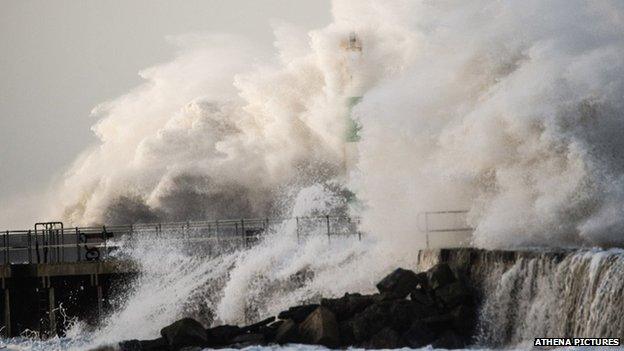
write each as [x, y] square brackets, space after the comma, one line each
[185, 332]
[320, 328]
[298, 313]
[423, 281]
[249, 339]
[438, 323]
[345, 330]
[347, 306]
[454, 294]
[270, 330]
[276, 324]
[401, 314]
[418, 335]
[396, 314]
[449, 340]
[104, 348]
[441, 311]
[386, 338]
[399, 283]
[222, 335]
[287, 332]
[422, 297]
[159, 344]
[464, 319]
[131, 345]
[440, 275]
[256, 326]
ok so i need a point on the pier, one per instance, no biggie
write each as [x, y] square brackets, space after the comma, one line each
[52, 273]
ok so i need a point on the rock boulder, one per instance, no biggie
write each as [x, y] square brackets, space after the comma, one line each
[347, 306]
[287, 333]
[386, 338]
[320, 328]
[185, 332]
[298, 313]
[399, 283]
[440, 275]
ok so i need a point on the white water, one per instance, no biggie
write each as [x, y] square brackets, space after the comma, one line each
[512, 110]
[578, 295]
[581, 296]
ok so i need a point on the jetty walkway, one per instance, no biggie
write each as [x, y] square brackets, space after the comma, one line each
[53, 272]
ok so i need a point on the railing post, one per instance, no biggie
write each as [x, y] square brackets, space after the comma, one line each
[328, 232]
[188, 231]
[62, 244]
[37, 246]
[104, 234]
[244, 235]
[29, 247]
[59, 252]
[297, 223]
[6, 248]
[45, 241]
[217, 230]
[78, 258]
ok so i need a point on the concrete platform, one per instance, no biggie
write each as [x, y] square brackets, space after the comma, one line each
[34, 296]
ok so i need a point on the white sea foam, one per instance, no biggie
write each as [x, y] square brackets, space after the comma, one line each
[512, 110]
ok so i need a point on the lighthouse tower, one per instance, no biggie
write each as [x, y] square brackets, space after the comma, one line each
[353, 47]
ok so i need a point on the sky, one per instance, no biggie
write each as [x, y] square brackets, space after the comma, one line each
[59, 59]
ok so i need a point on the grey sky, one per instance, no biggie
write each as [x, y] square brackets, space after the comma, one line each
[58, 59]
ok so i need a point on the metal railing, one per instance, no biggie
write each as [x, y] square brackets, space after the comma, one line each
[52, 242]
[443, 222]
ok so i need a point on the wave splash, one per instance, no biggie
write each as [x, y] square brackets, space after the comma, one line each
[512, 110]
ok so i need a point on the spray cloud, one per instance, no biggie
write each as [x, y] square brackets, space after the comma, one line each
[512, 110]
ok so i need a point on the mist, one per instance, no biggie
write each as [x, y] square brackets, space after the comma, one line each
[512, 111]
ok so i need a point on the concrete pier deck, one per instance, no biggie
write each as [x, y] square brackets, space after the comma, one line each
[36, 297]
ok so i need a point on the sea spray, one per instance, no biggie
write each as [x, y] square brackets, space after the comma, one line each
[237, 286]
[512, 110]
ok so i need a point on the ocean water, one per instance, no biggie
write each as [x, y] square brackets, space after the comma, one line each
[21, 344]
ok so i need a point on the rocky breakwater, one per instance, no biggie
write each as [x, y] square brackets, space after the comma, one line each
[435, 307]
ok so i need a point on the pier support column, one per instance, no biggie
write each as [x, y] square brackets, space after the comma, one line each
[47, 302]
[7, 311]
[51, 311]
[95, 281]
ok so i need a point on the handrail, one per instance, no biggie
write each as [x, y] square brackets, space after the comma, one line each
[48, 241]
[427, 230]
[52, 242]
